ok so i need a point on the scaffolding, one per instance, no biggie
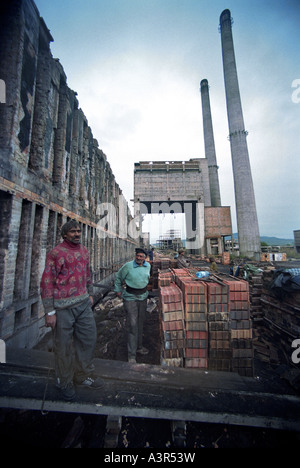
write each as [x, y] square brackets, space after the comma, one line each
[170, 240]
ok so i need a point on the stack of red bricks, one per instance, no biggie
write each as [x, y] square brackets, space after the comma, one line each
[241, 327]
[196, 326]
[164, 278]
[172, 325]
[220, 353]
[206, 323]
[158, 264]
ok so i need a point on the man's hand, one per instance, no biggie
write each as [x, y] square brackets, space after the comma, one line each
[119, 294]
[50, 321]
[92, 300]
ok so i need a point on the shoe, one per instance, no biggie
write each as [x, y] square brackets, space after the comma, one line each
[132, 360]
[68, 392]
[142, 350]
[90, 382]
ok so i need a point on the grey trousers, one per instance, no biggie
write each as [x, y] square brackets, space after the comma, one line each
[75, 338]
[136, 312]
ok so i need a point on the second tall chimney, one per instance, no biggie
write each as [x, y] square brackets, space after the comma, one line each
[209, 145]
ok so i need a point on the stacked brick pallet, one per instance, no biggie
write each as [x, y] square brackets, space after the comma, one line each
[240, 326]
[206, 323]
[172, 325]
[195, 306]
[164, 278]
[220, 353]
[159, 265]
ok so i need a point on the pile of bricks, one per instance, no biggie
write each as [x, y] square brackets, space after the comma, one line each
[195, 306]
[220, 353]
[241, 326]
[194, 295]
[172, 325]
[164, 278]
[206, 323]
[159, 266]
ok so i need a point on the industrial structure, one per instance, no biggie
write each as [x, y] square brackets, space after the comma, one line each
[53, 170]
[247, 223]
[183, 187]
[192, 187]
[209, 143]
[297, 240]
[172, 239]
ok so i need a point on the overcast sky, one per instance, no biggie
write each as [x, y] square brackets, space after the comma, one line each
[137, 65]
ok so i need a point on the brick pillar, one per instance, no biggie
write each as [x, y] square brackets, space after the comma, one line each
[63, 137]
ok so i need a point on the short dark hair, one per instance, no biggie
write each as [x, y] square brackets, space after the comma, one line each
[68, 226]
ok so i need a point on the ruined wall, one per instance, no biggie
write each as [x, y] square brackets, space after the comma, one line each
[51, 170]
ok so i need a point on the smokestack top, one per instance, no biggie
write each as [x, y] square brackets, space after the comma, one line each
[226, 17]
[225, 14]
[203, 83]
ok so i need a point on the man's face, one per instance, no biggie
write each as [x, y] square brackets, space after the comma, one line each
[140, 258]
[74, 235]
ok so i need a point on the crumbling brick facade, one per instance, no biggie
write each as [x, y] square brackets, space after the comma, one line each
[51, 170]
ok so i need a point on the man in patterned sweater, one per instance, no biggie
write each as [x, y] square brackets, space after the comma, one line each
[66, 291]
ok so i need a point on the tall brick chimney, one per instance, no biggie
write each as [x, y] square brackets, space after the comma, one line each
[247, 223]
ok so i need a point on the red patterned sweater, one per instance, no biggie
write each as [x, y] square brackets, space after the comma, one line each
[66, 280]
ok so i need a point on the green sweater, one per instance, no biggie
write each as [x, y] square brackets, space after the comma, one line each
[136, 277]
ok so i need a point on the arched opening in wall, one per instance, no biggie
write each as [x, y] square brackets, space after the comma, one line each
[5, 218]
[51, 232]
[36, 250]
[60, 222]
[166, 230]
[22, 272]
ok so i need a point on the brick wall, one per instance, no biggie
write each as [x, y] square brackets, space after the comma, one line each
[51, 170]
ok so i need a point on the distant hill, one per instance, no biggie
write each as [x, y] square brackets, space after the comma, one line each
[271, 240]
[268, 240]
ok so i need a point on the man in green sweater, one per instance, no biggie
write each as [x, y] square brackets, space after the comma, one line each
[134, 275]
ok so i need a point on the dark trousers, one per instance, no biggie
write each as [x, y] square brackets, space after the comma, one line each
[75, 338]
[136, 312]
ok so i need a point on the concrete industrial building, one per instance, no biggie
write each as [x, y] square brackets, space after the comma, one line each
[297, 240]
[183, 187]
[52, 170]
